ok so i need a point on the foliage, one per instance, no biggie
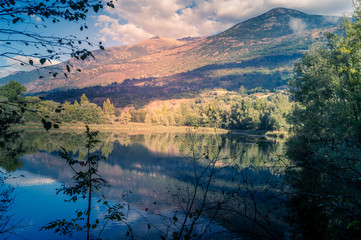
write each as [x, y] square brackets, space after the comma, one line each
[6, 199]
[86, 182]
[19, 19]
[13, 91]
[326, 145]
[12, 107]
[240, 114]
[109, 110]
[85, 112]
[24, 42]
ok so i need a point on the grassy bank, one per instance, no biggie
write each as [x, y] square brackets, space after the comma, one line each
[130, 128]
[142, 128]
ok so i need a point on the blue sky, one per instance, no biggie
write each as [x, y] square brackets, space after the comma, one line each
[132, 21]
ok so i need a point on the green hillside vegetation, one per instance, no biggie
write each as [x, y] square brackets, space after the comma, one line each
[259, 52]
[275, 24]
[217, 109]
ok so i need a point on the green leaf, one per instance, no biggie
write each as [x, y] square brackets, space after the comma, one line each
[56, 126]
[31, 62]
[42, 61]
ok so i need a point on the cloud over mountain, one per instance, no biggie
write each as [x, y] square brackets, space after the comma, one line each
[297, 25]
[135, 20]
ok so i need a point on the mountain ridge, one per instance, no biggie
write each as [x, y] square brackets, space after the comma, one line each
[239, 56]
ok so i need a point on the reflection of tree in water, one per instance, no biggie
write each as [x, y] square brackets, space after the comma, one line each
[325, 200]
[12, 150]
[136, 163]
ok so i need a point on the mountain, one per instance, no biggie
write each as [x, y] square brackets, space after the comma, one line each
[259, 52]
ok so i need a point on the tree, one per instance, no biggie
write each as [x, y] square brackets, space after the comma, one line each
[125, 117]
[20, 29]
[109, 110]
[84, 99]
[23, 40]
[7, 224]
[327, 126]
[13, 91]
[242, 90]
[87, 180]
[12, 105]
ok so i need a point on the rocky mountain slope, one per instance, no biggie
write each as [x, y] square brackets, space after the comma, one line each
[258, 52]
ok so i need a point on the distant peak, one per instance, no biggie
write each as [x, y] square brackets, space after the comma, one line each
[280, 10]
[156, 37]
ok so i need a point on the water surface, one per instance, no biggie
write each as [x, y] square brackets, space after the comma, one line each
[159, 173]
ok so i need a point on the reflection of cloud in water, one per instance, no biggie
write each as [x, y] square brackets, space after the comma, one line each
[25, 178]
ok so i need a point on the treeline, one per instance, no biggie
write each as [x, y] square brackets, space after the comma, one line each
[230, 111]
[239, 113]
[236, 113]
[85, 111]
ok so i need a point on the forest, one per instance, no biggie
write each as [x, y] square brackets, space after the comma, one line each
[230, 111]
[316, 186]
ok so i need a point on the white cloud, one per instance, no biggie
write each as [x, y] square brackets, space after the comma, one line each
[134, 20]
[297, 25]
[27, 179]
[10, 65]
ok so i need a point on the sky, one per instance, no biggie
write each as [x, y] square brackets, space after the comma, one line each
[132, 21]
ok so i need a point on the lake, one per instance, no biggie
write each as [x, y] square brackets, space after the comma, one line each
[220, 186]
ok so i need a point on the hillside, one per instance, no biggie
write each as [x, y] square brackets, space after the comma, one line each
[258, 52]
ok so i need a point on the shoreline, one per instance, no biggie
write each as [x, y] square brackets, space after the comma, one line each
[143, 128]
[133, 128]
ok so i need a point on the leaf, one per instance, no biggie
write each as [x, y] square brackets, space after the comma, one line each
[96, 8]
[56, 126]
[47, 125]
[101, 47]
[42, 61]
[68, 68]
[15, 20]
[31, 62]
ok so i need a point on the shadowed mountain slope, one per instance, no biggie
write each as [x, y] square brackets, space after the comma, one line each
[259, 52]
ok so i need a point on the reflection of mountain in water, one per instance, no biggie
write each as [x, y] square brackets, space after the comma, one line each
[151, 165]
